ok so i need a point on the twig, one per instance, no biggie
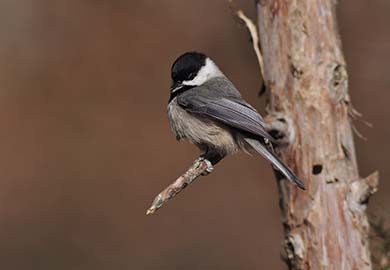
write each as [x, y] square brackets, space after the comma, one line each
[358, 133]
[200, 166]
[254, 35]
[356, 115]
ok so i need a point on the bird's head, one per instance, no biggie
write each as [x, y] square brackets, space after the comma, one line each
[192, 69]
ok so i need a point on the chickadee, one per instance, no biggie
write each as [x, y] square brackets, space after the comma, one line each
[205, 108]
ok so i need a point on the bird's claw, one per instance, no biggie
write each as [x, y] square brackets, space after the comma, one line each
[202, 161]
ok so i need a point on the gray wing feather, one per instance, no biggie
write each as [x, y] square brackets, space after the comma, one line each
[233, 111]
[268, 154]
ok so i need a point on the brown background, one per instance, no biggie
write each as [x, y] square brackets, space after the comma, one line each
[85, 143]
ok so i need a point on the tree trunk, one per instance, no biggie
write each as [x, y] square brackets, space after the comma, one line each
[305, 74]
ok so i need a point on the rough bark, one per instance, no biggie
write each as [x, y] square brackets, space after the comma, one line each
[307, 84]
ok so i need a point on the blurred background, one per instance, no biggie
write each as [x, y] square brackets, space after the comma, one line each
[85, 142]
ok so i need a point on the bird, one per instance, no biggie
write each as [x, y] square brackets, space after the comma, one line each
[206, 109]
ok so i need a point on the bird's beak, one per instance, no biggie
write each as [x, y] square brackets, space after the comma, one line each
[176, 86]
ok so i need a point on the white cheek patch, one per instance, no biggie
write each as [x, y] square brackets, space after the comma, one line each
[207, 72]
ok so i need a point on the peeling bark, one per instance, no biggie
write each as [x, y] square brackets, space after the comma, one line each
[305, 74]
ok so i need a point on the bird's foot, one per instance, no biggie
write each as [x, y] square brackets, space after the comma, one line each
[201, 161]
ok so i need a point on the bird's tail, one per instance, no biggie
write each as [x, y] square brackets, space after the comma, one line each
[279, 164]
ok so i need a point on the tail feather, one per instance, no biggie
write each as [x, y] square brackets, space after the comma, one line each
[279, 164]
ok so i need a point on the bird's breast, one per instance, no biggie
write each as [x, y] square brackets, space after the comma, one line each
[201, 130]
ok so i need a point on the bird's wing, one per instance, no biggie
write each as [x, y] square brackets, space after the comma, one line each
[232, 111]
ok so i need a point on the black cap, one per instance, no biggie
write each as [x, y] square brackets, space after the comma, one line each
[187, 66]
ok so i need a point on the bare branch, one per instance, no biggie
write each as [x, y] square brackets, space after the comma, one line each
[252, 28]
[200, 166]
